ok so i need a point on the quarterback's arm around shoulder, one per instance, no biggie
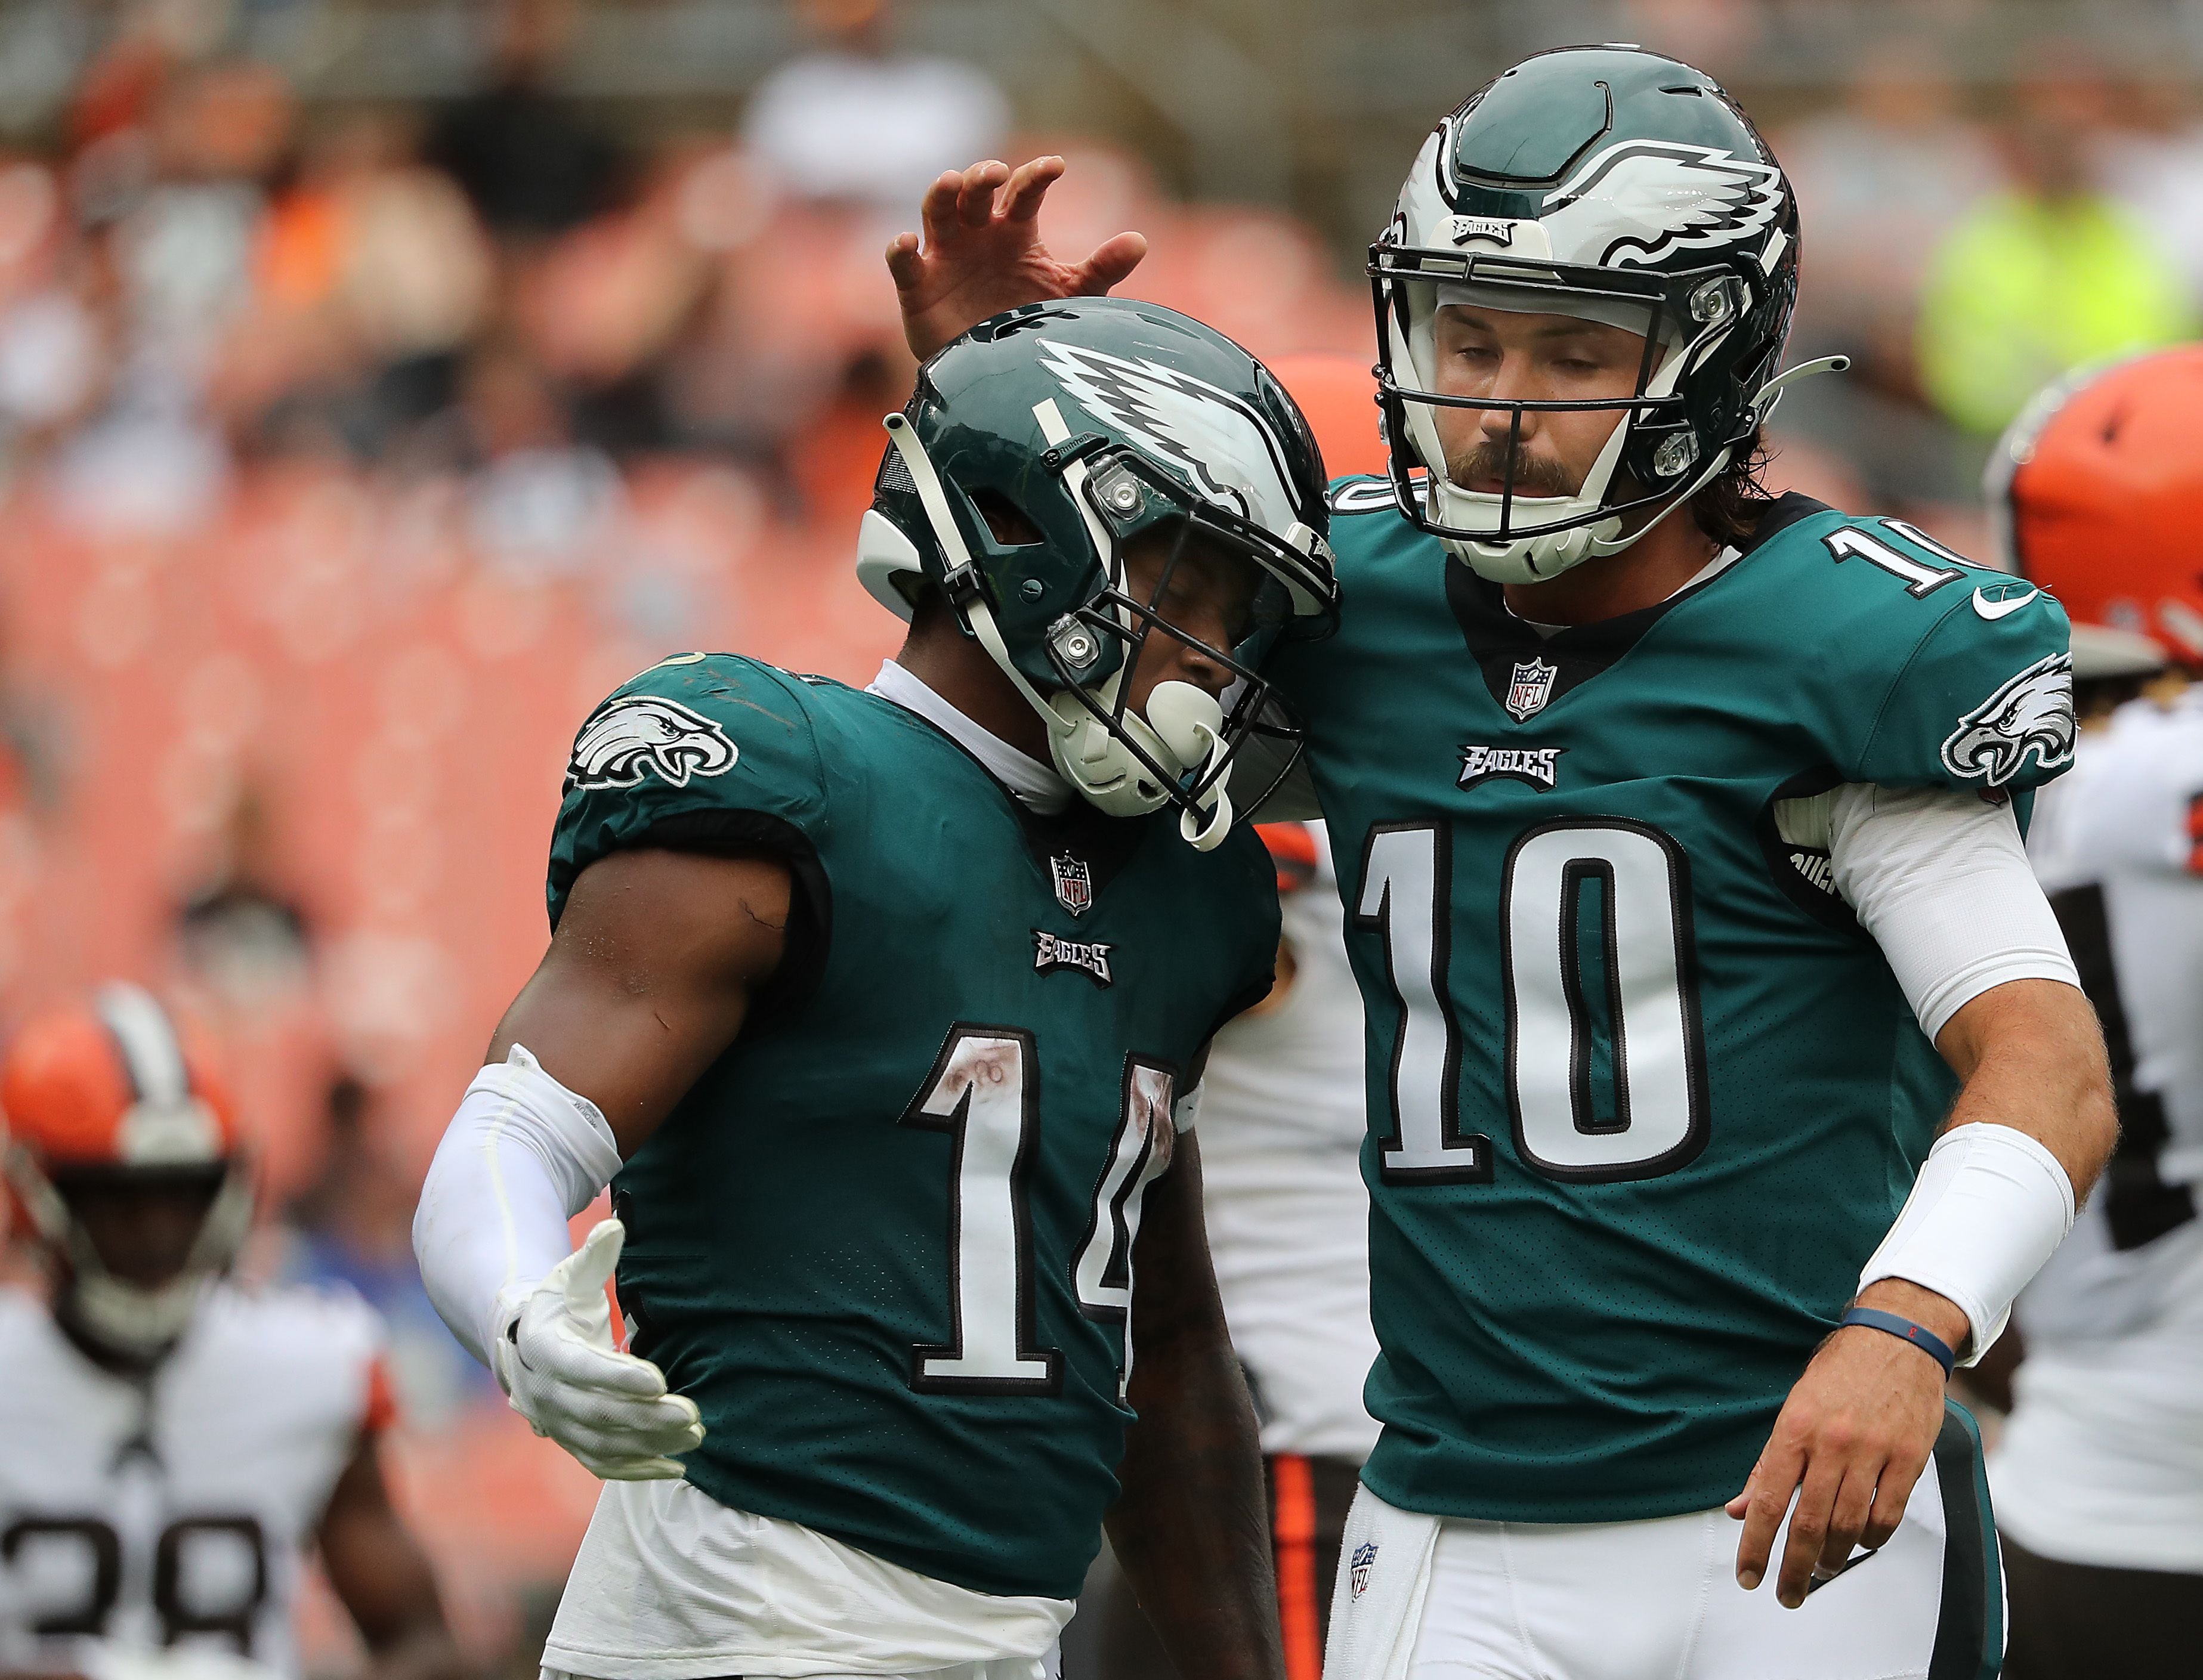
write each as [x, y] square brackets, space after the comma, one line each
[647, 980]
[383, 1579]
[1190, 1527]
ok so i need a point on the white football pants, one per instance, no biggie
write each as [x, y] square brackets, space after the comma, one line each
[1421, 1598]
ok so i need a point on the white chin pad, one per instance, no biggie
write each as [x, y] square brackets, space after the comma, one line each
[1189, 721]
[1181, 715]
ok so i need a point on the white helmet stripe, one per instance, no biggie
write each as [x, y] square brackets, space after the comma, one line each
[147, 1039]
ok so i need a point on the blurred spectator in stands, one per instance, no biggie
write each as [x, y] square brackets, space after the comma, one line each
[604, 306]
[1882, 178]
[2051, 274]
[2154, 165]
[538, 501]
[353, 1226]
[172, 212]
[53, 350]
[857, 121]
[219, 136]
[532, 164]
[372, 276]
[241, 931]
[742, 374]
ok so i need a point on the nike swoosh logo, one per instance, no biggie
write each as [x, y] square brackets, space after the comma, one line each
[1993, 611]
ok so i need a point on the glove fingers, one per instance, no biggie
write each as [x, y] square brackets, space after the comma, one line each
[584, 1440]
[586, 1421]
[602, 1411]
[589, 1411]
[556, 1352]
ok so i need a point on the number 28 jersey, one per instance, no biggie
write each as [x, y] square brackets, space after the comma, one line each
[1643, 1097]
[176, 1511]
[884, 1243]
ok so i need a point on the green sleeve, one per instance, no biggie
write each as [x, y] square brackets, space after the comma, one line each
[1984, 700]
[705, 753]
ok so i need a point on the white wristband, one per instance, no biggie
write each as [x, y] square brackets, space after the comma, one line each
[1990, 1207]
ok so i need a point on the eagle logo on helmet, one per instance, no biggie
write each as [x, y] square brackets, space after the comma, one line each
[2031, 717]
[1637, 201]
[1223, 448]
[637, 735]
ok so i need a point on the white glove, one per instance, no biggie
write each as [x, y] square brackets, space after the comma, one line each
[553, 1354]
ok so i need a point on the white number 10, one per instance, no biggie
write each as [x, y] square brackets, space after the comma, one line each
[1648, 991]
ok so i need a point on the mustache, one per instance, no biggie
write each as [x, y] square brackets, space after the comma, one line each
[1534, 474]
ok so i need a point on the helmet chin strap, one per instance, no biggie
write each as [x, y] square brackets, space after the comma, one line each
[1089, 756]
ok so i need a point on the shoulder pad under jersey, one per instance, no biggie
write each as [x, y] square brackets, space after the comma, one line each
[1952, 675]
[701, 751]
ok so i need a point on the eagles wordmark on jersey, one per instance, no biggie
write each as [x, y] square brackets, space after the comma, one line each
[1628, 1158]
[885, 1242]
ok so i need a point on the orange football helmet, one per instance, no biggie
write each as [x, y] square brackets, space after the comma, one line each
[117, 1091]
[1338, 395]
[2096, 493]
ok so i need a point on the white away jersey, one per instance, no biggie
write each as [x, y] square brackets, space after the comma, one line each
[175, 1511]
[1283, 1112]
[2103, 1461]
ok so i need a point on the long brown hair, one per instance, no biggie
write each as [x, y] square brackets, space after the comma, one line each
[1729, 509]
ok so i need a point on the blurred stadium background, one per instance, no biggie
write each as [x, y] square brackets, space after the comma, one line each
[381, 382]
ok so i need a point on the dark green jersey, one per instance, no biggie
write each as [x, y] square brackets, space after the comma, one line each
[884, 1243]
[1643, 1097]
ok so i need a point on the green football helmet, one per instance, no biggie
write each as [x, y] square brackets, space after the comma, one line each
[1102, 424]
[1615, 185]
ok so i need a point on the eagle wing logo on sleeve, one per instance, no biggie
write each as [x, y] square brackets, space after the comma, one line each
[2031, 717]
[636, 735]
[1639, 200]
[1224, 451]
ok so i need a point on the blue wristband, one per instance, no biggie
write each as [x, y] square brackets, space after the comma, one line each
[1918, 1334]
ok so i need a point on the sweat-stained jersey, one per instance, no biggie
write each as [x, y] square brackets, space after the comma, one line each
[177, 1512]
[1643, 1098]
[884, 1243]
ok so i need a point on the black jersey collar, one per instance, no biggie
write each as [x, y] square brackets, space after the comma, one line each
[1500, 642]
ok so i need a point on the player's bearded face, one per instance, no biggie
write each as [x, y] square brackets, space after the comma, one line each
[1504, 356]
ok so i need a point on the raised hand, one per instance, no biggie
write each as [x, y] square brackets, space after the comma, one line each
[1853, 1439]
[982, 254]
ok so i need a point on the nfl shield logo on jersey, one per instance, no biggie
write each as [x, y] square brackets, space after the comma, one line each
[1365, 1556]
[1074, 886]
[1531, 688]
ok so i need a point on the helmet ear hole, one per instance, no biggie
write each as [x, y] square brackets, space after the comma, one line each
[1010, 525]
